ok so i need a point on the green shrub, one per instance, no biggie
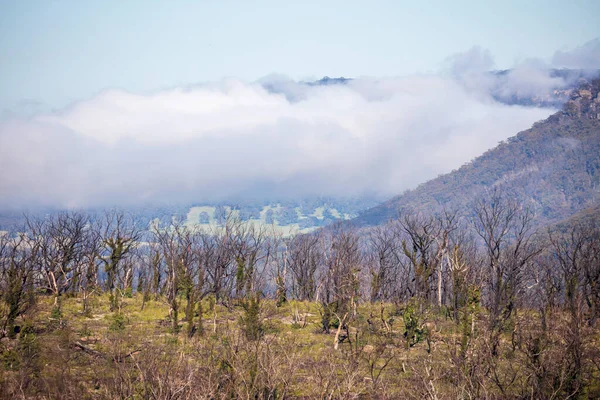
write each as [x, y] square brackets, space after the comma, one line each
[413, 332]
[29, 350]
[117, 323]
[251, 321]
[10, 359]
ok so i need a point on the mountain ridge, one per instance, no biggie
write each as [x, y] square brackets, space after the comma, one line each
[554, 166]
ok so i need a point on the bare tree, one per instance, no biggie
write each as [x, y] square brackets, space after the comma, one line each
[509, 246]
[384, 263]
[17, 272]
[246, 243]
[218, 258]
[60, 244]
[304, 258]
[448, 223]
[176, 244]
[577, 253]
[120, 236]
[420, 249]
[88, 281]
[276, 263]
[342, 286]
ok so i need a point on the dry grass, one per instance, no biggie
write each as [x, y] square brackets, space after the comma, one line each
[135, 355]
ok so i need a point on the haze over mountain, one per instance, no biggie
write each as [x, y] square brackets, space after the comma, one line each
[234, 140]
[553, 167]
[318, 149]
[525, 85]
[272, 139]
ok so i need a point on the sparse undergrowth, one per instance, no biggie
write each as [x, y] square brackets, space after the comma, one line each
[424, 307]
[285, 354]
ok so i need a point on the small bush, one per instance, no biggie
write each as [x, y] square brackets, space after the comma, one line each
[251, 321]
[413, 332]
[117, 323]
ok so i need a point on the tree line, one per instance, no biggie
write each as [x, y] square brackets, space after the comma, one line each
[482, 271]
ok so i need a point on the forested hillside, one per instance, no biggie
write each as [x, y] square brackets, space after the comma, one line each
[554, 167]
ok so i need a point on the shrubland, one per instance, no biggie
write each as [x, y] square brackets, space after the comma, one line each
[426, 306]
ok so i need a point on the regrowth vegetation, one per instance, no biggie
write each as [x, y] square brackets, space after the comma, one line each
[436, 306]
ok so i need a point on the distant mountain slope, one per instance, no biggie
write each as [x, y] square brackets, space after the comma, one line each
[287, 216]
[556, 92]
[557, 86]
[590, 215]
[554, 166]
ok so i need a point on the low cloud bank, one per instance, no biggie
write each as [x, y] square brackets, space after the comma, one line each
[531, 81]
[585, 57]
[272, 138]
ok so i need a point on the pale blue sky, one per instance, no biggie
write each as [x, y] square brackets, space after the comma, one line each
[55, 52]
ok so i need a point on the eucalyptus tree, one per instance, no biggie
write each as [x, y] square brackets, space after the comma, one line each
[177, 246]
[218, 259]
[509, 247]
[248, 245]
[120, 237]
[341, 286]
[60, 241]
[384, 262]
[304, 257]
[88, 282]
[577, 254]
[17, 273]
[420, 248]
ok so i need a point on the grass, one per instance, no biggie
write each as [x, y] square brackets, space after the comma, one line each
[94, 351]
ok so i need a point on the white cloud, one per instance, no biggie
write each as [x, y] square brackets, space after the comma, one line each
[474, 60]
[528, 79]
[231, 138]
[585, 57]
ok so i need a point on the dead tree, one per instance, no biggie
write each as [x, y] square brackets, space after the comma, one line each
[577, 253]
[60, 245]
[89, 279]
[342, 285]
[304, 258]
[383, 261]
[120, 236]
[420, 248]
[246, 243]
[17, 261]
[177, 248]
[218, 259]
[276, 264]
[509, 246]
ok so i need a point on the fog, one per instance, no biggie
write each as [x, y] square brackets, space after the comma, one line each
[585, 57]
[272, 138]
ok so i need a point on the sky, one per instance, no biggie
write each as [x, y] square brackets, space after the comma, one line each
[56, 52]
[122, 103]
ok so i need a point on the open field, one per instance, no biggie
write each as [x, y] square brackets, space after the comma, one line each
[207, 218]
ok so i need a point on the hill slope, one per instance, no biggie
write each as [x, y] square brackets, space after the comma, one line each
[554, 166]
